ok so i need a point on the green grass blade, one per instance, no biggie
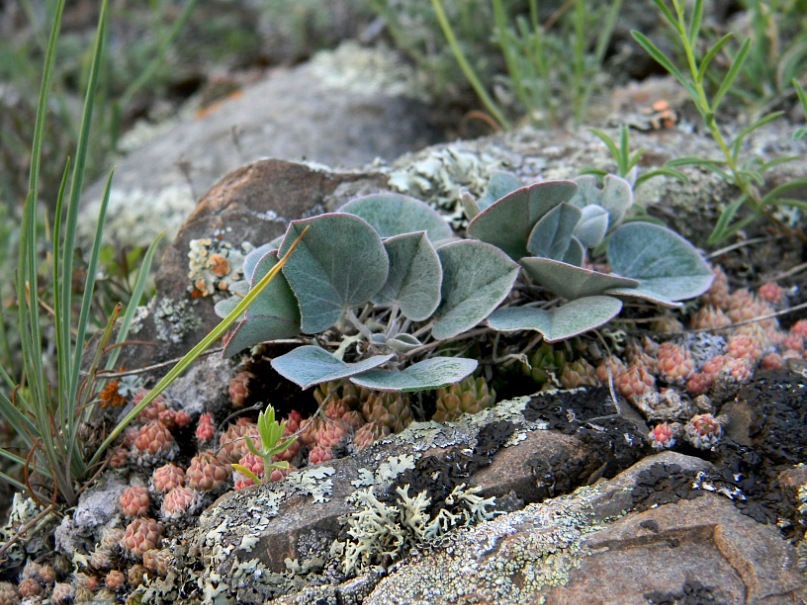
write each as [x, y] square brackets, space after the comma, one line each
[777, 192]
[734, 71]
[695, 23]
[694, 161]
[466, 68]
[665, 11]
[609, 143]
[70, 390]
[801, 204]
[509, 47]
[658, 55]
[162, 48]
[19, 422]
[738, 140]
[134, 301]
[670, 172]
[89, 288]
[711, 54]
[11, 480]
[36, 403]
[722, 228]
[801, 94]
[765, 166]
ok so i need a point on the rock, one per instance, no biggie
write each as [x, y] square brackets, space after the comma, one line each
[568, 550]
[292, 525]
[325, 111]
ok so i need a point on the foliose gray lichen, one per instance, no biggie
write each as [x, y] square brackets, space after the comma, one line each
[379, 533]
[174, 320]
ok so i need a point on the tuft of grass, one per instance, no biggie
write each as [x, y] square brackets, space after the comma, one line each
[124, 78]
[548, 66]
[627, 162]
[50, 406]
[46, 411]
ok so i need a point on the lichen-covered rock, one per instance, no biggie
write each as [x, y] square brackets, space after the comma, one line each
[566, 550]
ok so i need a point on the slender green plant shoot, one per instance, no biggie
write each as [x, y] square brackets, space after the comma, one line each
[272, 443]
[694, 77]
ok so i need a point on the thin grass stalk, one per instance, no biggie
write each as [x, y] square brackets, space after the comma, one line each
[191, 356]
[509, 47]
[603, 40]
[146, 75]
[35, 401]
[467, 70]
[76, 187]
[134, 299]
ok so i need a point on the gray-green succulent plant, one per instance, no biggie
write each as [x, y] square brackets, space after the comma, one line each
[387, 273]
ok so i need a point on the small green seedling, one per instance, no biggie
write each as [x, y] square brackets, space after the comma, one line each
[272, 444]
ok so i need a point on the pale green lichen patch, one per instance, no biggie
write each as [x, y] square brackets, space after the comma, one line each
[314, 482]
[366, 71]
[393, 466]
[439, 175]
[510, 559]
[174, 320]
[380, 532]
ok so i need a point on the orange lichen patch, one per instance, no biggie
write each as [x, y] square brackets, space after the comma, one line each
[110, 397]
[219, 265]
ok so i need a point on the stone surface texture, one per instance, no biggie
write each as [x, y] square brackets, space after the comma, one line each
[661, 530]
[321, 112]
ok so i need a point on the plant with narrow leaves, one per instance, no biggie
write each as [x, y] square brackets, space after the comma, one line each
[272, 444]
[627, 162]
[49, 415]
[746, 175]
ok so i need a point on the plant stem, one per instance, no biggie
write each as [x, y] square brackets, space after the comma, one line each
[466, 68]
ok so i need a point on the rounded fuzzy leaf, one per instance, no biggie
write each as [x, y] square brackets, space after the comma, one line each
[476, 278]
[402, 343]
[592, 227]
[414, 276]
[615, 196]
[560, 323]
[500, 184]
[572, 282]
[433, 373]
[552, 233]
[257, 329]
[309, 365]
[392, 214]
[340, 263]
[277, 299]
[575, 253]
[667, 266]
[251, 259]
[273, 315]
[507, 223]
